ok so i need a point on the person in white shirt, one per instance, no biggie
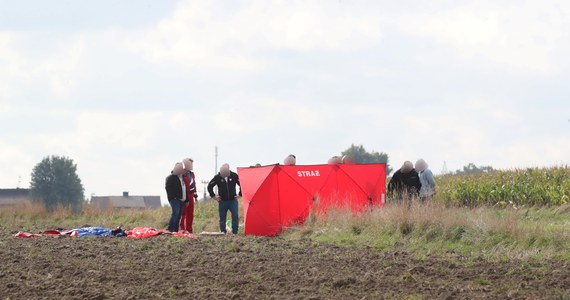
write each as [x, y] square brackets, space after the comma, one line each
[427, 180]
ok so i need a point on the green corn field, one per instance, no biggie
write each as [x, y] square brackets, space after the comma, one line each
[530, 187]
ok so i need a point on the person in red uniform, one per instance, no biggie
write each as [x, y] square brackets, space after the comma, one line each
[190, 183]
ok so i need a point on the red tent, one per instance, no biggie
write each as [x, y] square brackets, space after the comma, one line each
[276, 197]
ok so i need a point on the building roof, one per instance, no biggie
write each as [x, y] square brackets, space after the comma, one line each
[127, 201]
[14, 192]
[152, 201]
[14, 196]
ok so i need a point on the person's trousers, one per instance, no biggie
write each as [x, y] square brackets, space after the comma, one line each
[177, 206]
[232, 206]
[187, 216]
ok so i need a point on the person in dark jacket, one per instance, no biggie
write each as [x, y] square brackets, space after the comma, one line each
[177, 195]
[227, 196]
[405, 183]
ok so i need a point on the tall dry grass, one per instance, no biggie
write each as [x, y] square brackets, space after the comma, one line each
[34, 217]
[431, 228]
[435, 227]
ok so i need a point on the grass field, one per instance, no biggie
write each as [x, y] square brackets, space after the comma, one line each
[492, 233]
[478, 247]
[398, 252]
[482, 232]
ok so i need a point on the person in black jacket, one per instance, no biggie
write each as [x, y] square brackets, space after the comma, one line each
[405, 183]
[227, 196]
[176, 193]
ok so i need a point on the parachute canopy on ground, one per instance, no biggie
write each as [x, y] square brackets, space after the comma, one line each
[276, 197]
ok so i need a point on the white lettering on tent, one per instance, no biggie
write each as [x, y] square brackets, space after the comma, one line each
[315, 173]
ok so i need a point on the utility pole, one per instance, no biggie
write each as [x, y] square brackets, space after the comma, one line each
[444, 170]
[205, 183]
[216, 155]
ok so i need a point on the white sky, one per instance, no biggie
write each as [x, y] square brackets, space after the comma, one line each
[126, 89]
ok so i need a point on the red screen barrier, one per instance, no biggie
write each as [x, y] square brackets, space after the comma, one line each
[276, 197]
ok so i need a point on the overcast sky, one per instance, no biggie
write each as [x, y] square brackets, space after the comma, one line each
[127, 88]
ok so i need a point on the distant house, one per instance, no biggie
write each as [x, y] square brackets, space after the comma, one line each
[126, 202]
[14, 196]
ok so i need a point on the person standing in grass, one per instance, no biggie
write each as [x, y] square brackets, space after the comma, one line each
[190, 183]
[427, 180]
[176, 193]
[335, 160]
[347, 160]
[290, 160]
[227, 196]
[405, 183]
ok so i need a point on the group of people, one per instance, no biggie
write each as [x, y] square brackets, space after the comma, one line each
[406, 183]
[341, 160]
[181, 192]
[409, 182]
[291, 160]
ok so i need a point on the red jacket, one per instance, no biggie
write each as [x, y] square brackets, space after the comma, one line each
[190, 182]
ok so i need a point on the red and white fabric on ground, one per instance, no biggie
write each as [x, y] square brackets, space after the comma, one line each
[135, 233]
[147, 232]
[144, 232]
[22, 234]
[184, 234]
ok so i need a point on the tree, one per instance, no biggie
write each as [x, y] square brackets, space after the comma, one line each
[471, 168]
[361, 156]
[55, 182]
